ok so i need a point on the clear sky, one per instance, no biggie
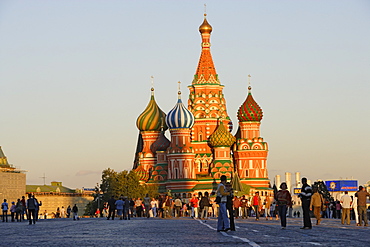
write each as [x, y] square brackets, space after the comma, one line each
[75, 75]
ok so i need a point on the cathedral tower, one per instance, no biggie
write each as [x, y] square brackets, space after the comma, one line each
[150, 125]
[206, 102]
[251, 150]
[221, 140]
[180, 155]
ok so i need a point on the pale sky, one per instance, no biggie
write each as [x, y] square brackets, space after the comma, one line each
[75, 75]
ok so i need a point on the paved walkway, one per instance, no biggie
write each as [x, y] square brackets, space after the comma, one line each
[179, 232]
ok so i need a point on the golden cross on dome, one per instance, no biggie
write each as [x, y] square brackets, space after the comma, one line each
[179, 92]
[205, 9]
[249, 82]
[152, 81]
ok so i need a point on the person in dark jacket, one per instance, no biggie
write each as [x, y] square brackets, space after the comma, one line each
[75, 212]
[112, 207]
[229, 206]
[305, 195]
[31, 208]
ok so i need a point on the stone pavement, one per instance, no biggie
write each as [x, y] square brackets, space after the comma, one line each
[179, 232]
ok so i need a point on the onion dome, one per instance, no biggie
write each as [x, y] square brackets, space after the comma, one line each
[142, 174]
[250, 110]
[205, 27]
[180, 116]
[150, 119]
[161, 144]
[221, 137]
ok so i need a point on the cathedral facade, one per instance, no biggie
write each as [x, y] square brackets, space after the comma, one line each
[201, 147]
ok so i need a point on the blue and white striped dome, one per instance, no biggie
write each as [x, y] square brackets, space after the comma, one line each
[179, 116]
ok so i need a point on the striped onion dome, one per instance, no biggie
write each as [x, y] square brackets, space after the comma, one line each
[161, 144]
[142, 174]
[151, 118]
[179, 116]
[250, 110]
[221, 137]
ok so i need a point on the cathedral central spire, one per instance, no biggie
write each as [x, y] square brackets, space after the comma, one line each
[206, 72]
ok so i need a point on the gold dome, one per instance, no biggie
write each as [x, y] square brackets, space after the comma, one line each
[205, 27]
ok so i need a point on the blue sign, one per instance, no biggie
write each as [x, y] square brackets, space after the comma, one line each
[342, 185]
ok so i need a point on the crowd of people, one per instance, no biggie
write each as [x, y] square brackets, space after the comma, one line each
[23, 208]
[225, 206]
[311, 200]
[29, 209]
[199, 206]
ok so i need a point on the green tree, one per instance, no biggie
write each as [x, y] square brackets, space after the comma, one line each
[116, 184]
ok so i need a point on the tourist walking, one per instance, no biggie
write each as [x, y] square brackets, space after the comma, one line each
[154, 206]
[178, 206]
[62, 212]
[236, 204]
[111, 208]
[257, 204]
[166, 207]
[267, 204]
[19, 210]
[126, 208]
[119, 206]
[273, 210]
[31, 208]
[38, 205]
[147, 205]
[316, 204]
[229, 206]
[4, 208]
[244, 207]
[139, 207]
[204, 206]
[361, 195]
[354, 206]
[338, 209]
[57, 215]
[69, 210]
[75, 212]
[24, 208]
[305, 195]
[194, 206]
[13, 209]
[132, 204]
[223, 223]
[284, 200]
[346, 202]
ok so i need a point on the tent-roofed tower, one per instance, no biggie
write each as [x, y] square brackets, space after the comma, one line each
[12, 180]
[3, 160]
[206, 102]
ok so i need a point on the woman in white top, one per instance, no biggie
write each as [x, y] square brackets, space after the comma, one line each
[354, 206]
[153, 205]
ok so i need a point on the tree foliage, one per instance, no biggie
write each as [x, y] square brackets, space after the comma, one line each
[323, 190]
[124, 183]
[115, 184]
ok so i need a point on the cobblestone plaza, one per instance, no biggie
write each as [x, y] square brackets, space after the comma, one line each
[179, 232]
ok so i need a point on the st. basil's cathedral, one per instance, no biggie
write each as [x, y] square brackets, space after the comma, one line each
[202, 147]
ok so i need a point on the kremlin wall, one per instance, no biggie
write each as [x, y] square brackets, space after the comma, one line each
[201, 146]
